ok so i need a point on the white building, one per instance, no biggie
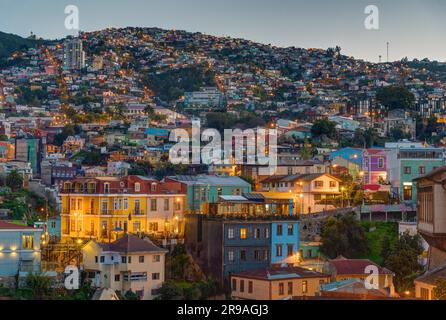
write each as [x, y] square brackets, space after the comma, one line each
[74, 55]
[128, 264]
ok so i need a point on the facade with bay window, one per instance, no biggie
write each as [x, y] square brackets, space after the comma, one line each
[105, 207]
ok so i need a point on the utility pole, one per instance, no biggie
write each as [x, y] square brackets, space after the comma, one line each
[388, 44]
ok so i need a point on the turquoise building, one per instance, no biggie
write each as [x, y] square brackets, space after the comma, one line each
[207, 189]
[284, 242]
[408, 161]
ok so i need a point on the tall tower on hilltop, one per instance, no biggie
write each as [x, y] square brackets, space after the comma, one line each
[74, 55]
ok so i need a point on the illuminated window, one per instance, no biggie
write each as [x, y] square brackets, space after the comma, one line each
[27, 242]
[243, 233]
[304, 287]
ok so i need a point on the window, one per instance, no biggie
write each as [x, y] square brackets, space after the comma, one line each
[156, 258]
[137, 206]
[137, 187]
[257, 255]
[290, 250]
[156, 276]
[102, 259]
[242, 285]
[123, 259]
[129, 259]
[153, 187]
[381, 163]
[304, 287]
[424, 294]
[319, 184]
[234, 285]
[106, 187]
[178, 205]
[407, 170]
[27, 242]
[407, 193]
[257, 233]
[153, 205]
[231, 233]
[266, 233]
[290, 229]
[279, 230]
[236, 192]
[333, 184]
[231, 256]
[281, 289]
[243, 233]
[219, 191]
[422, 170]
[141, 259]
[117, 277]
[279, 249]
[290, 288]
[104, 206]
[96, 259]
[317, 197]
[250, 287]
[166, 204]
[242, 255]
[126, 204]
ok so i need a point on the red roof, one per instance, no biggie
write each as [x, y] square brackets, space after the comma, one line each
[131, 244]
[279, 273]
[11, 226]
[345, 266]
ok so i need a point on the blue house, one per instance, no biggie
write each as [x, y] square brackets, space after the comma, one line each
[242, 233]
[285, 242]
[20, 251]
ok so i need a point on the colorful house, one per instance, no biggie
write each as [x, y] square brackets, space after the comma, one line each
[206, 189]
[408, 161]
[127, 264]
[375, 169]
[20, 251]
[277, 283]
[242, 233]
[104, 208]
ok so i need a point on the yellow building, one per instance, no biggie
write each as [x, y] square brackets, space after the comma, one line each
[103, 208]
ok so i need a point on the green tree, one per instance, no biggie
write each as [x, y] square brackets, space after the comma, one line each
[40, 285]
[170, 291]
[344, 235]
[403, 261]
[385, 248]
[440, 289]
[324, 127]
[396, 97]
[14, 180]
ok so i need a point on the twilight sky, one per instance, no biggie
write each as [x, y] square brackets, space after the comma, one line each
[415, 28]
